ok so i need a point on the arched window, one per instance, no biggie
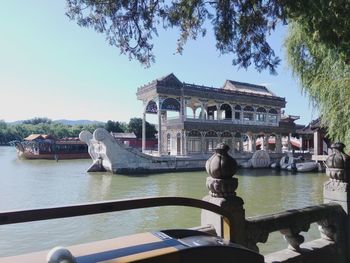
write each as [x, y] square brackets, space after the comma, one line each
[226, 111]
[248, 113]
[261, 115]
[171, 104]
[248, 108]
[211, 134]
[272, 117]
[152, 107]
[194, 133]
[212, 112]
[226, 134]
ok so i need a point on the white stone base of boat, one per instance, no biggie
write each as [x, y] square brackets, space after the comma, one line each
[306, 167]
[261, 159]
[108, 154]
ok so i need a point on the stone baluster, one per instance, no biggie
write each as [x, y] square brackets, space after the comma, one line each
[327, 230]
[293, 237]
[336, 190]
[222, 192]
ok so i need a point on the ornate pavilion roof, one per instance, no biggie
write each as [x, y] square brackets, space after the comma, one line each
[232, 90]
[247, 88]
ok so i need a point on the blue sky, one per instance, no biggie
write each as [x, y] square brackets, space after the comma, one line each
[51, 67]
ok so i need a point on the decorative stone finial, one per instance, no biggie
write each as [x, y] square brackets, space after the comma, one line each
[60, 255]
[221, 167]
[338, 163]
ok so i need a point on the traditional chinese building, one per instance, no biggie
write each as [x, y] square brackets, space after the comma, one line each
[192, 119]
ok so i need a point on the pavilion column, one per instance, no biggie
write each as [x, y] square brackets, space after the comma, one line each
[144, 132]
[232, 113]
[241, 144]
[278, 116]
[233, 146]
[289, 144]
[184, 143]
[184, 108]
[253, 143]
[254, 115]
[203, 106]
[159, 132]
[266, 142]
[278, 143]
[267, 117]
[202, 142]
[250, 143]
[218, 110]
[183, 113]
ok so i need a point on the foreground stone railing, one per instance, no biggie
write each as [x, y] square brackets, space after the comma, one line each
[290, 223]
[332, 216]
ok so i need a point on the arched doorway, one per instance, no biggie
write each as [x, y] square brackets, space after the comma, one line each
[226, 112]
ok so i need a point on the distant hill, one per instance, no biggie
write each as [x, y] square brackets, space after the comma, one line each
[66, 122]
[77, 122]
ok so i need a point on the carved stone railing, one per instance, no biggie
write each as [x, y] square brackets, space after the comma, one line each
[332, 216]
[290, 223]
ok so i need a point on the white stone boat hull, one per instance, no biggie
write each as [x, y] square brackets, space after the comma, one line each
[110, 155]
[307, 167]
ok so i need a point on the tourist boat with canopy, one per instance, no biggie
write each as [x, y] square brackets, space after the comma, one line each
[43, 146]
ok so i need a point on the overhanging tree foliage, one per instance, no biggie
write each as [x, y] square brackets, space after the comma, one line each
[325, 76]
[240, 27]
[318, 44]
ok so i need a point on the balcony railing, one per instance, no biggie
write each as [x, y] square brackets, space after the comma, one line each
[176, 120]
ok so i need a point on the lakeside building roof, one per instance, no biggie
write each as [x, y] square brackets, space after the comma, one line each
[313, 126]
[33, 137]
[124, 135]
[232, 90]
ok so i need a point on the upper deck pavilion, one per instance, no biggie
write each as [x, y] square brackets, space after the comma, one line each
[232, 91]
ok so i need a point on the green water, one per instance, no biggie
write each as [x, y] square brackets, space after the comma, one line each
[28, 184]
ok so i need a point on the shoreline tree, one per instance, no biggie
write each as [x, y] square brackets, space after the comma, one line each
[135, 126]
[318, 44]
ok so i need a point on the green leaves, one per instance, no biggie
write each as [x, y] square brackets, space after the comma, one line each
[240, 26]
[325, 77]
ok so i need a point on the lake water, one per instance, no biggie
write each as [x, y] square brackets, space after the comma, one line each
[28, 184]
